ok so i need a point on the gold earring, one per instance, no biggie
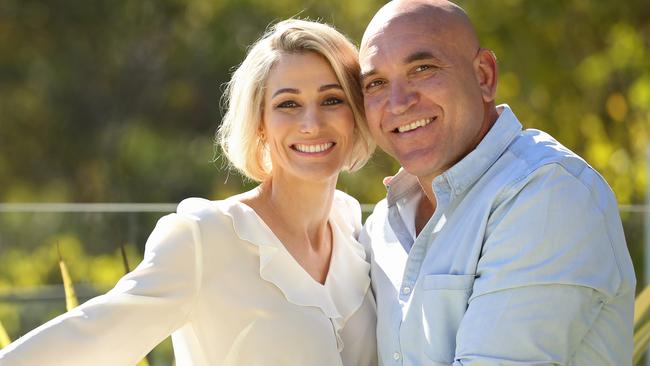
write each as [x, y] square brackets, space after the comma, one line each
[261, 141]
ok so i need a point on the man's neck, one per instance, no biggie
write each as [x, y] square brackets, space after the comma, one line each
[423, 214]
[427, 205]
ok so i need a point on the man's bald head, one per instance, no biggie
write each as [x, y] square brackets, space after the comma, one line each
[445, 20]
[429, 88]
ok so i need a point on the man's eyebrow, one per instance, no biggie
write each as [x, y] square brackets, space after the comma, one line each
[415, 56]
[329, 86]
[419, 56]
[285, 90]
[367, 74]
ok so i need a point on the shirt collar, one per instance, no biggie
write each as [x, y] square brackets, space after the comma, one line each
[469, 169]
[348, 276]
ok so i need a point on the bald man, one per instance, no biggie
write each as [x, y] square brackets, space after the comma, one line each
[495, 245]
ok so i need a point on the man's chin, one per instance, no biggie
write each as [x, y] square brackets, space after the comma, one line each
[421, 172]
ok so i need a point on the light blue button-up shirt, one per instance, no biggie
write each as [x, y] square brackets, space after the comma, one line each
[523, 262]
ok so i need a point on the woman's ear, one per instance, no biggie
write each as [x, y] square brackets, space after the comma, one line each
[485, 68]
[261, 135]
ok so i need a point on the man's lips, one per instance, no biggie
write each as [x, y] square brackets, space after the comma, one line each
[414, 125]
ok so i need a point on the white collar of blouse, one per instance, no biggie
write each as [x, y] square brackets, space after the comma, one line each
[348, 278]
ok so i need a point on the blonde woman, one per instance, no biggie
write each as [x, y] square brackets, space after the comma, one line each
[273, 276]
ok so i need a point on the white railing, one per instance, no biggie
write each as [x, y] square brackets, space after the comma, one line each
[167, 207]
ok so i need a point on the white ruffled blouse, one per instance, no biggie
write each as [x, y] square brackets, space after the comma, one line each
[216, 277]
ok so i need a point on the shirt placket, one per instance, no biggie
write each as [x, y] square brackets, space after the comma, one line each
[416, 256]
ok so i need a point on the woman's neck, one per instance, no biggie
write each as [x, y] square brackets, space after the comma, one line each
[297, 212]
[299, 207]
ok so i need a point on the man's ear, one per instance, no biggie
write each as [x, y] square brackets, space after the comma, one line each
[485, 68]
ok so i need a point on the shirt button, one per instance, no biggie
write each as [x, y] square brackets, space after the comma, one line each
[406, 290]
[396, 356]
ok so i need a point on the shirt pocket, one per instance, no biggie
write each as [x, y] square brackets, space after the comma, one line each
[444, 302]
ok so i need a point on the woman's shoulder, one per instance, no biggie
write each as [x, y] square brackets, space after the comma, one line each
[210, 212]
[195, 206]
[225, 214]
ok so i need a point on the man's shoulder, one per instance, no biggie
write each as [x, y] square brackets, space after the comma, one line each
[536, 155]
[537, 148]
[534, 159]
[536, 164]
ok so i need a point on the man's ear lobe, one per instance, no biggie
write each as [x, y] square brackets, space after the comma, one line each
[485, 67]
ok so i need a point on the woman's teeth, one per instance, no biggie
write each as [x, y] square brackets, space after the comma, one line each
[313, 148]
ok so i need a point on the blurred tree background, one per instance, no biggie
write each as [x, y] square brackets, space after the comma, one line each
[118, 101]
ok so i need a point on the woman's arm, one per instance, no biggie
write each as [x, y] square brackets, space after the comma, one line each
[122, 326]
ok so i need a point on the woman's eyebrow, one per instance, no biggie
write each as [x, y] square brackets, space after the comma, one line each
[330, 86]
[286, 90]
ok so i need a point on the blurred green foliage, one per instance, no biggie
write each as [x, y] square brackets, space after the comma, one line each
[118, 101]
[581, 71]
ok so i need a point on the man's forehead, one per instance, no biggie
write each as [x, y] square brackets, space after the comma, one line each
[382, 27]
[386, 42]
[398, 43]
[395, 48]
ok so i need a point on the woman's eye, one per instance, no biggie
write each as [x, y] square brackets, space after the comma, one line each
[287, 104]
[332, 101]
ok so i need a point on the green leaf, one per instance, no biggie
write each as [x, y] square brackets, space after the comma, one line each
[4, 337]
[641, 325]
[71, 301]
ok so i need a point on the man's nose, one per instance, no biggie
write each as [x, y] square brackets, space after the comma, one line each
[401, 98]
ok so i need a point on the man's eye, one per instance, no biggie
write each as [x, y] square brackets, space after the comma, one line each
[332, 101]
[423, 68]
[287, 104]
[374, 84]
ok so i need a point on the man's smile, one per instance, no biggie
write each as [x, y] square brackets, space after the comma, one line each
[413, 125]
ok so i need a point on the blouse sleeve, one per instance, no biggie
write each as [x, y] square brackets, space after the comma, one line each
[122, 326]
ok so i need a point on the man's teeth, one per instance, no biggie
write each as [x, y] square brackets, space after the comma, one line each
[413, 125]
[313, 148]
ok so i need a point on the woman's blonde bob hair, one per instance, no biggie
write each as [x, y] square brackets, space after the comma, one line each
[238, 134]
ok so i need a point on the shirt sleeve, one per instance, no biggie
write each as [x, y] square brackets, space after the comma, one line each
[547, 277]
[122, 326]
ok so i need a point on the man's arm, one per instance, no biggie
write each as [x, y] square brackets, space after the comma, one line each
[554, 283]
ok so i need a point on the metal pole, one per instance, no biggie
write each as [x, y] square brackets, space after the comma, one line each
[646, 226]
[646, 229]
